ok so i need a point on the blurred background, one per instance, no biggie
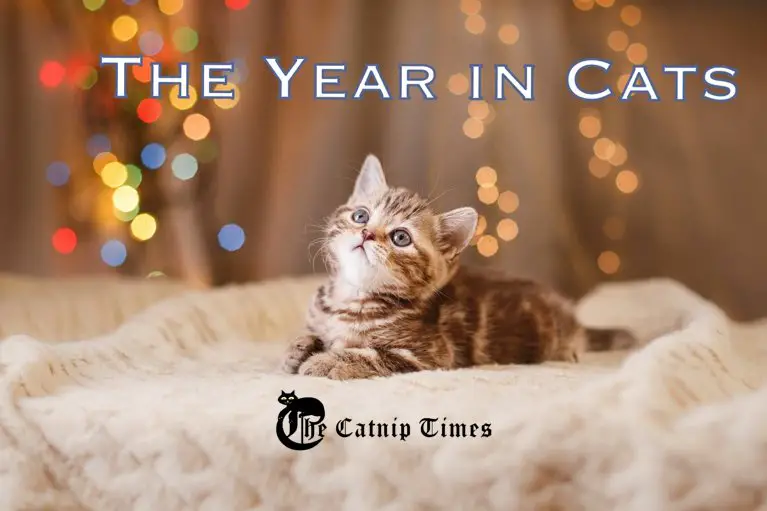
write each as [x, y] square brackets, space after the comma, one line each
[212, 192]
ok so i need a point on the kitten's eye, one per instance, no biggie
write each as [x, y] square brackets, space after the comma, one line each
[361, 216]
[400, 237]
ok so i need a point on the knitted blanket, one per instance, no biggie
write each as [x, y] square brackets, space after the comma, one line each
[171, 403]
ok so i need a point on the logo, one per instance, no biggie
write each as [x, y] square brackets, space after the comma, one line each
[299, 424]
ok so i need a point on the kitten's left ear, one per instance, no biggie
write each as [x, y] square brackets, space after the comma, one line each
[370, 182]
[457, 227]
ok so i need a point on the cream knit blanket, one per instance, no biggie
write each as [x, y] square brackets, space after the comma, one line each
[176, 409]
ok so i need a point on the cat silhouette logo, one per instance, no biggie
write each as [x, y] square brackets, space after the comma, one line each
[304, 421]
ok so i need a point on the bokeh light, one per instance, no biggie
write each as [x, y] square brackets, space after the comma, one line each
[134, 176]
[182, 103]
[486, 177]
[508, 202]
[124, 28]
[584, 5]
[101, 159]
[184, 166]
[469, 7]
[487, 245]
[618, 40]
[637, 53]
[93, 5]
[478, 110]
[125, 199]
[609, 262]
[599, 168]
[52, 73]
[88, 78]
[237, 5]
[170, 7]
[64, 240]
[458, 84]
[149, 110]
[631, 15]
[626, 181]
[153, 156]
[57, 173]
[114, 174]
[98, 144]
[508, 34]
[473, 128]
[620, 156]
[196, 127]
[231, 237]
[226, 104]
[481, 225]
[151, 43]
[605, 3]
[125, 216]
[507, 229]
[475, 24]
[590, 126]
[240, 73]
[143, 73]
[131, 2]
[604, 149]
[114, 253]
[143, 227]
[185, 39]
[488, 195]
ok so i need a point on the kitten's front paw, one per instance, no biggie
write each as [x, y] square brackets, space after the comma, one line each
[320, 364]
[300, 350]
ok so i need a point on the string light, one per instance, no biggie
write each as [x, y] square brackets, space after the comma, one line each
[231, 237]
[64, 240]
[196, 127]
[458, 84]
[508, 34]
[143, 227]
[124, 28]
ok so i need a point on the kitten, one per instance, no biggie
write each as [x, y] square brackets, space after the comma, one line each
[397, 301]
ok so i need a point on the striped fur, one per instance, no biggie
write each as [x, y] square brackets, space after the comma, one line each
[387, 309]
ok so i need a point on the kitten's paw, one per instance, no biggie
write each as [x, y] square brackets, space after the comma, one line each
[320, 364]
[300, 350]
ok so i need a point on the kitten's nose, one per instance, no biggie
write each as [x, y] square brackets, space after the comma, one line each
[367, 235]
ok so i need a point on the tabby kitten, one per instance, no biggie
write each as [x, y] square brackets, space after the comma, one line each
[397, 301]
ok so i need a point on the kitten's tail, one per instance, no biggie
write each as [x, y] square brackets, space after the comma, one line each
[610, 339]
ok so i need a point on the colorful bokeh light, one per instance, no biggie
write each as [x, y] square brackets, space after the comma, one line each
[196, 127]
[125, 199]
[124, 28]
[57, 173]
[143, 227]
[114, 253]
[93, 5]
[153, 156]
[64, 240]
[143, 73]
[185, 39]
[52, 73]
[231, 237]
[101, 159]
[149, 110]
[183, 103]
[237, 5]
[151, 43]
[184, 166]
[114, 174]
[97, 144]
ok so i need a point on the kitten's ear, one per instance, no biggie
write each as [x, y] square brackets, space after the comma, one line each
[370, 182]
[457, 227]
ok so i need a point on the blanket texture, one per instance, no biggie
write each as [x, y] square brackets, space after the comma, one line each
[154, 397]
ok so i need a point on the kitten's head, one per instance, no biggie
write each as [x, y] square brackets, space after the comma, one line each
[286, 397]
[387, 240]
